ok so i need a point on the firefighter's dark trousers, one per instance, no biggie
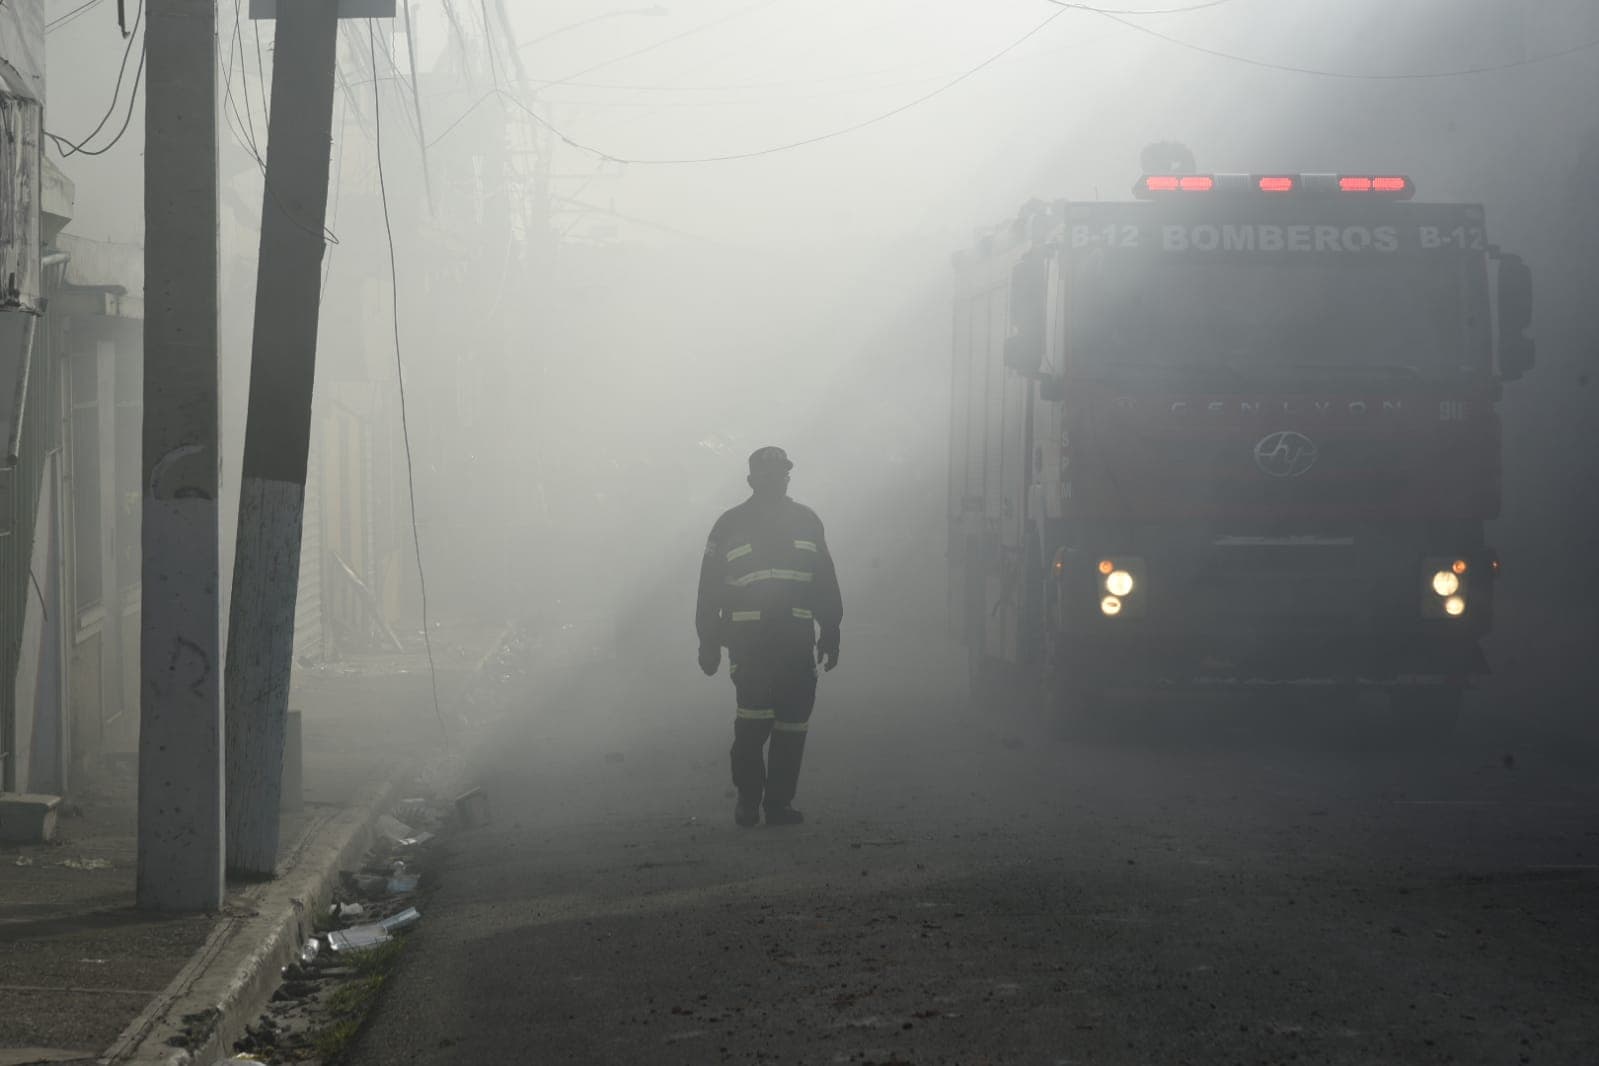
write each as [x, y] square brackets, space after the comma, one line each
[776, 687]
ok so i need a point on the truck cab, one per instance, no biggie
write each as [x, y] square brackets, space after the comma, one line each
[1241, 429]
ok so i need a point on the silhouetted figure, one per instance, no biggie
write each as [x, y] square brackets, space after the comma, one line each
[766, 585]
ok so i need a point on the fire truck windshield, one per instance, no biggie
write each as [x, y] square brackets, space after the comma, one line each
[1413, 313]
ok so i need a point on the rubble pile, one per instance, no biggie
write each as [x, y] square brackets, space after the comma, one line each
[504, 681]
[328, 989]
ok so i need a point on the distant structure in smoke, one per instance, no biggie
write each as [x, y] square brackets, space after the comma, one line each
[1168, 157]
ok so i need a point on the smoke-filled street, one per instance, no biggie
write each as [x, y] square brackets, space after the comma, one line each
[861, 531]
[1218, 884]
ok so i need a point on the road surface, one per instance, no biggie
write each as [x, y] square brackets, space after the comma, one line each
[1218, 885]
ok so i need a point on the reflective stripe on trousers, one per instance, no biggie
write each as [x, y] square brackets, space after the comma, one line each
[754, 577]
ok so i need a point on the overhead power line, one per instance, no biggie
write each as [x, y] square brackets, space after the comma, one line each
[1313, 72]
[692, 31]
[68, 148]
[399, 370]
[62, 20]
[805, 142]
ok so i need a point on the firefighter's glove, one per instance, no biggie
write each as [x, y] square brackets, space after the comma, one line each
[827, 651]
[710, 659]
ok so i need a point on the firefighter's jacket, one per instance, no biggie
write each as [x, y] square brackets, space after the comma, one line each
[768, 578]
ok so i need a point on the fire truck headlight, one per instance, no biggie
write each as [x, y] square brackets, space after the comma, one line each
[1122, 588]
[1446, 586]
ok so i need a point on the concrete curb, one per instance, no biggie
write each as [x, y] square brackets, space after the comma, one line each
[232, 977]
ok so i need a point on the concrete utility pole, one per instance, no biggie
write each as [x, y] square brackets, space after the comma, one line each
[277, 435]
[180, 865]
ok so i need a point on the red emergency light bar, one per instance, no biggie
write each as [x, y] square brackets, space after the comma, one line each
[1177, 183]
[1395, 187]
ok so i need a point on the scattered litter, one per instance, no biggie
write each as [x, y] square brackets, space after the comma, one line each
[23, 860]
[403, 884]
[404, 920]
[413, 808]
[370, 885]
[373, 934]
[311, 949]
[86, 864]
[394, 829]
[347, 910]
[397, 832]
[473, 808]
[358, 938]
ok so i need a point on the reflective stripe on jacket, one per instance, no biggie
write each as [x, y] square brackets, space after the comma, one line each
[767, 568]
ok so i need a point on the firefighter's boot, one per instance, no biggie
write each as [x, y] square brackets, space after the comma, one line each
[783, 816]
[747, 813]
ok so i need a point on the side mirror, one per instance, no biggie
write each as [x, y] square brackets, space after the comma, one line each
[1517, 352]
[1029, 300]
[1024, 354]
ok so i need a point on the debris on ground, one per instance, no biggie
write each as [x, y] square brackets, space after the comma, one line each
[404, 920]
[391, 828]
[334, 979]
[358, 938]
[472, 808]
[401, 881]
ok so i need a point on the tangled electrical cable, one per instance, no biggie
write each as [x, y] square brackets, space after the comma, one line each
[775, 149]
[68, 148]
[1117, 15]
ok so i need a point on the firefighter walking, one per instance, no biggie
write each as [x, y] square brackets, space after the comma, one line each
[767, 586]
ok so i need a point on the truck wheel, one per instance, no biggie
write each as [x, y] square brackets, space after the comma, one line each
[1424, 715]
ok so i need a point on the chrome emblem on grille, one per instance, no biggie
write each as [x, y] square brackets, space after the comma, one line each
[1285, 454]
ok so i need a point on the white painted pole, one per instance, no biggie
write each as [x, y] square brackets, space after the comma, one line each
[277, 435]
[180, 864]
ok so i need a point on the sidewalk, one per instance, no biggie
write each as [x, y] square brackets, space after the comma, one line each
[78, 964]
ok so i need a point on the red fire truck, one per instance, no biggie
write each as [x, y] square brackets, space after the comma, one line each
[1241, 429]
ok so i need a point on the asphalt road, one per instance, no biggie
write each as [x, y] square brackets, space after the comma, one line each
[1231, 882]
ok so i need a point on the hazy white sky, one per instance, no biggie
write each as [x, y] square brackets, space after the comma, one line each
[716, 77]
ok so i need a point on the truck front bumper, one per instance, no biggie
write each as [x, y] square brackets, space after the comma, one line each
[1283, 615]
[1129, 657]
